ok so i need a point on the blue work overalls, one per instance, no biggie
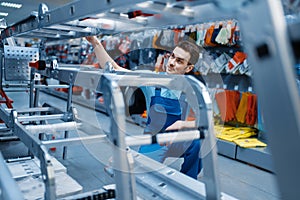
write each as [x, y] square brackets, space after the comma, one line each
[164, 112]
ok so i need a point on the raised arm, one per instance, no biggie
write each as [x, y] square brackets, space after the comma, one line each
[102, 55]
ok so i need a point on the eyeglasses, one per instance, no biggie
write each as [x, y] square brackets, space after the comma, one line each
[179, 61]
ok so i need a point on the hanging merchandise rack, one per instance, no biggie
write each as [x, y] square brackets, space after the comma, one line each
[80, 18]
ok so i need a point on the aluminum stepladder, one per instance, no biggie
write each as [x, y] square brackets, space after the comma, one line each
[123, 162]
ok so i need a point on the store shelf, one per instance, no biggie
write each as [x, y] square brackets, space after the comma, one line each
[226, 148]
[260, 157]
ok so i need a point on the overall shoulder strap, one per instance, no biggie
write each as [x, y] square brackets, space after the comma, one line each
[157, 91]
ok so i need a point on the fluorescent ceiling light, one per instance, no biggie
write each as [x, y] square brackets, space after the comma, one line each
[11, 5]
[3, 14]
[144, 4]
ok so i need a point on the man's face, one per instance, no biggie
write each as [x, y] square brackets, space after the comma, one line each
[178, 62]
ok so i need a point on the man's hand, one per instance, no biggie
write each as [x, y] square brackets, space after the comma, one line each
[160, 63]
[179, 125]
[93, 40]
[175, 126]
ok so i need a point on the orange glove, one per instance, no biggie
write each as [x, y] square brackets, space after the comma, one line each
[242, 109]
[251, 116]
[237, 59]
[221, 101]
[208, 36]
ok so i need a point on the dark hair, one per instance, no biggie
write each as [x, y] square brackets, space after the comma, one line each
[190, 46]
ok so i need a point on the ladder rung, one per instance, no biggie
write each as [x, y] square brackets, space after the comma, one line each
[39, 117]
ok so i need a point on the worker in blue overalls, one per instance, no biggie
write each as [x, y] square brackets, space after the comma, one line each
[180, 61]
